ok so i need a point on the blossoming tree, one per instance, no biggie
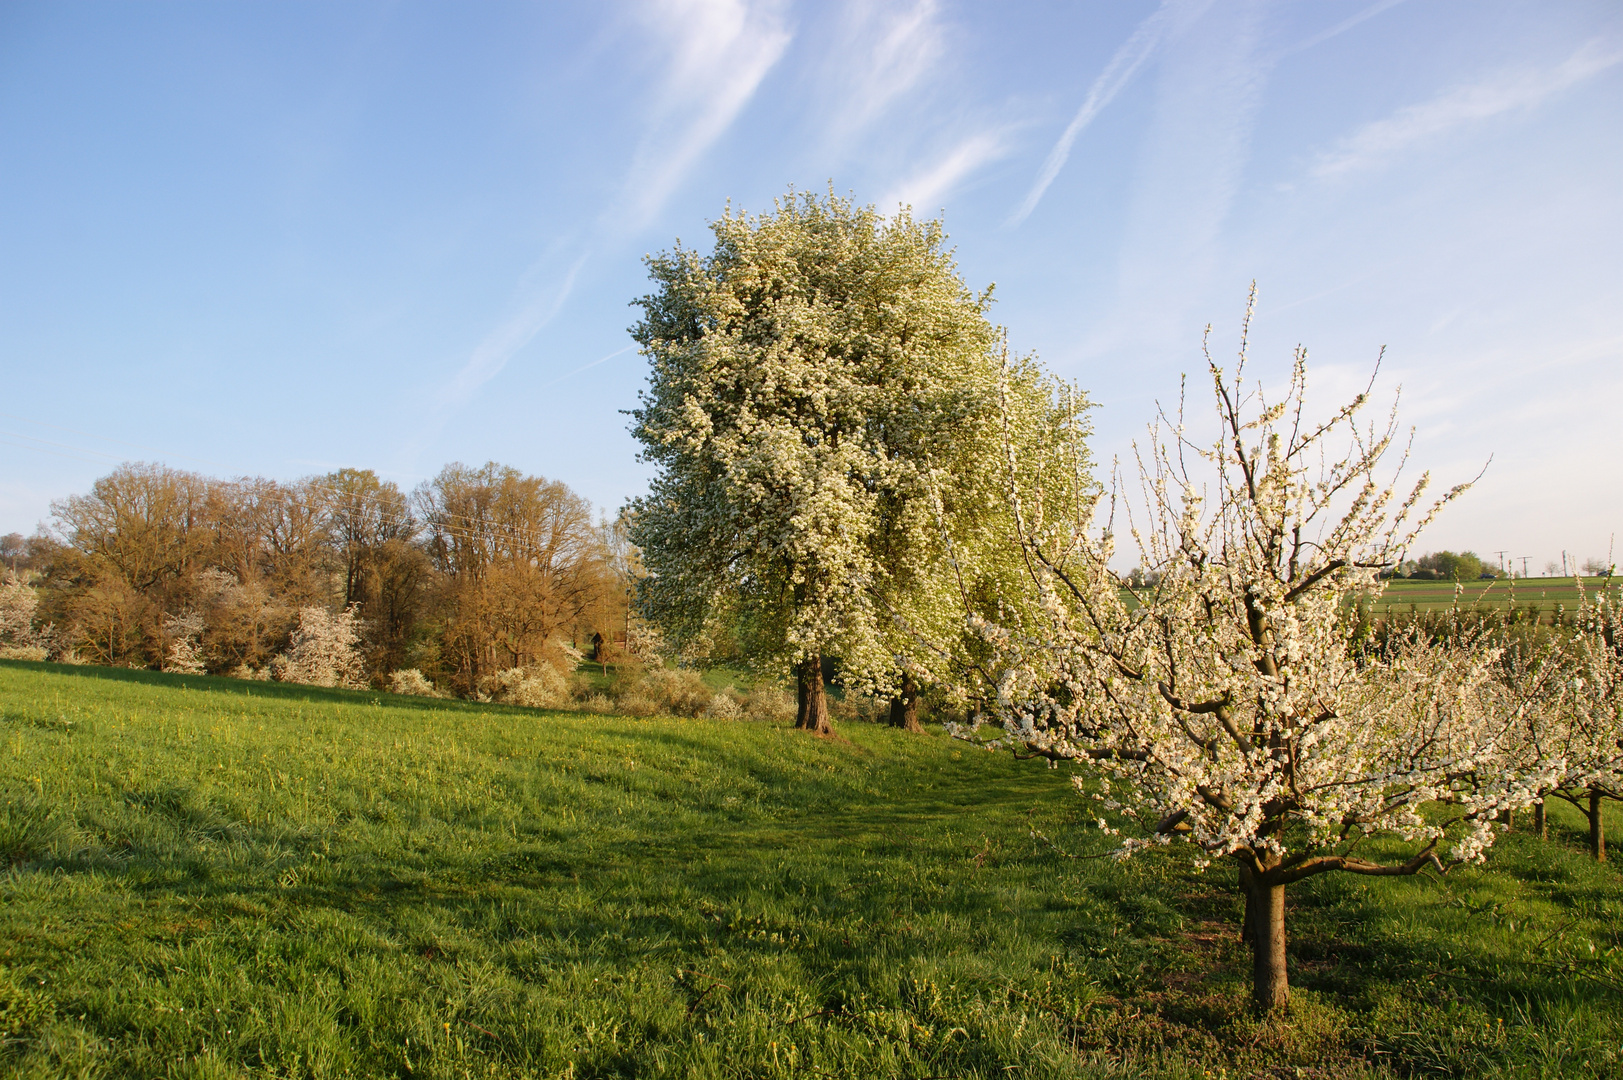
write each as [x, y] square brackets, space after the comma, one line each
[820, 382]
[1565, 691]
[1222, 706]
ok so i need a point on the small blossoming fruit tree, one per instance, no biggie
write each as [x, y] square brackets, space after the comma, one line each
[1222, 706]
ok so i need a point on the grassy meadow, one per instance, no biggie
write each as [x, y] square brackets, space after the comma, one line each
[1545, 595]
[204, 877]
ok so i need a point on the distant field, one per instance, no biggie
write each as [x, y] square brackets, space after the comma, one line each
[1402, 596]
[1546, 594]
[213, 878]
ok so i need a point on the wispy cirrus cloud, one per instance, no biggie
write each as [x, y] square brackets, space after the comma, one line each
[720, 50]
[491, 355]
[1208, 91]
[883, 51]
[925, 188]
[1117, 74]
[1339, 28]
[1376, 143]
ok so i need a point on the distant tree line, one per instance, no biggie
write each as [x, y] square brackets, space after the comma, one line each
[475, 572]
[1446, 566]
[1469, 566]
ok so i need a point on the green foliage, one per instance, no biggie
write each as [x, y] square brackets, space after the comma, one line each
[252, 878]
[1450, 566]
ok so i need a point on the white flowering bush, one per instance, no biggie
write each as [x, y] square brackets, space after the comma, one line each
[18, 603]
[645, 644]
[769, 705]
[1221, 706]
[664, 691]
[538, 686]
[414, 683]
[324, 650]
[184, 633]
[724, 706]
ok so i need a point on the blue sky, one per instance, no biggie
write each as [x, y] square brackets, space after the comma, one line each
[283, 238]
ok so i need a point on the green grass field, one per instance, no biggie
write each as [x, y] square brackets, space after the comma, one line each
[1402, 596]
[219, 878]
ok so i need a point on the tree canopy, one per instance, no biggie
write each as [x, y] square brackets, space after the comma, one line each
[823, 405]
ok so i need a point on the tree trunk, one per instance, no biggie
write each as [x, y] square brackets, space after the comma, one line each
[904, 709]
[1264, 931]
[1597, 826]
[1541, 824]
[812, 713]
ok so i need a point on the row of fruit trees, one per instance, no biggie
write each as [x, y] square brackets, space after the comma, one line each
[849, 463]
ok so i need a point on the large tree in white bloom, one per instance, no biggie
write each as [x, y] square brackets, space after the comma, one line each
[1222, 706]
[823, 412]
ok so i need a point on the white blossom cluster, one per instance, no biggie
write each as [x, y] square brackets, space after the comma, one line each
[538, 686]
[19, 638]
[185, 634]
[413, 683]
[1564, 691]
[324, 651]
[1222, 705]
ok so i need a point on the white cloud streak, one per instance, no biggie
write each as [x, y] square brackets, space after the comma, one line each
[884, 51]
[1374, 144]
[721, 50]
[926, 188]
[586, 367]
[501, 344]
[1195, 148]
[1340, 28]
[1117, 74]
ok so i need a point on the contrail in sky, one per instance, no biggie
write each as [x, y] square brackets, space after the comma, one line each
[1128, 59]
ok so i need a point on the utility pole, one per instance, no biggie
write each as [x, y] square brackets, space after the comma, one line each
[1524, 559]
[1502, 555]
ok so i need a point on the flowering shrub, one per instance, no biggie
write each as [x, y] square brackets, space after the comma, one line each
[18, 602]
[184, 633]
[539, 686]
[324, 651]
[770, 705]
[723, 706]
[412, 682]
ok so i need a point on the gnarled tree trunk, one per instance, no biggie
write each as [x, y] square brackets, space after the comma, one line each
[812, 711]
[904, 708]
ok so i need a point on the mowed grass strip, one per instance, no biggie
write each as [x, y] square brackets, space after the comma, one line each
[217, 878]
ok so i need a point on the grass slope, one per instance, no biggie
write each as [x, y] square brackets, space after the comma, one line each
[217, 878]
